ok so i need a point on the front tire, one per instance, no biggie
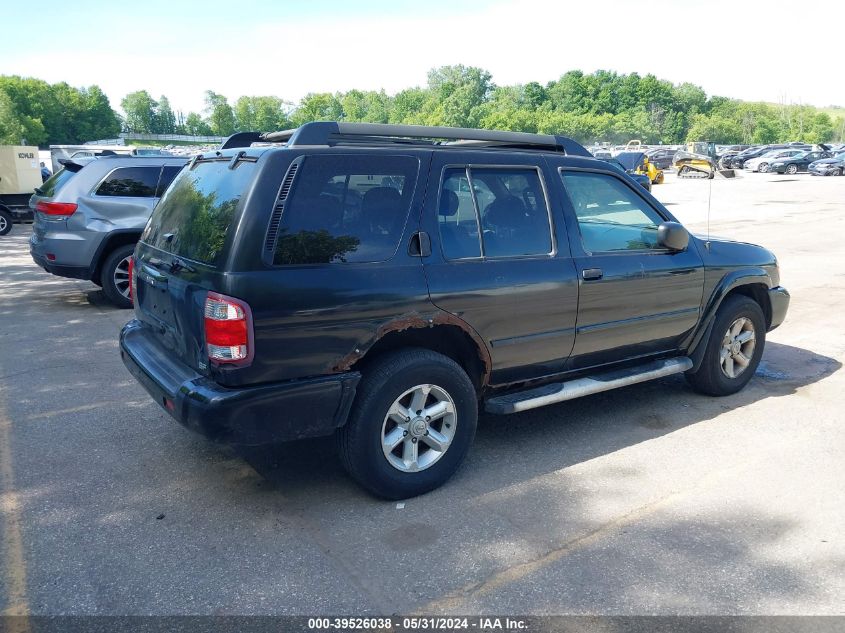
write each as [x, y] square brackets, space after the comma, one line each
[733, 350]
[410, 404]
[5, 222]
[792, 169]
[114, 276]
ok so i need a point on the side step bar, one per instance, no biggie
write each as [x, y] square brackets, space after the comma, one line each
[561, 391]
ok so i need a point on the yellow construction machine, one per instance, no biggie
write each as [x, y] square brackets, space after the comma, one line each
[699, 160]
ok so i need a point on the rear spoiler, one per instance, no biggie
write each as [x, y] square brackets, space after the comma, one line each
[70, 164]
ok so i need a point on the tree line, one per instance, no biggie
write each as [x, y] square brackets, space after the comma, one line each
[600, 106]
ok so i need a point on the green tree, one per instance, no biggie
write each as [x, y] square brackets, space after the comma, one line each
[459, 92]
[318, 106]
[221, 117]
[261, 114]
[11, 128]
[196, 126]
[16, 128]
[140, 109]
[715, 128]
[165, 119]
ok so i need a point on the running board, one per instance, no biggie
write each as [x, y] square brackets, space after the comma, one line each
[561, 391]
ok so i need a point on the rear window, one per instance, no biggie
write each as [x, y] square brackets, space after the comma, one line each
[54, 183]
[134, 182]
[193, 217]
[346, 208]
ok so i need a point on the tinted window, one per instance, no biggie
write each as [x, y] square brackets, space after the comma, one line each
[511, 211]
[516, 221]
[456, 216]
[136, 182]
[168, 173]
[195, 214]
[54, 183]
[346, 209]
[611, 216]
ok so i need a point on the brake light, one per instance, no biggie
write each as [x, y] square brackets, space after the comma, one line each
[228, 330]
[56, 209]
[132, 281]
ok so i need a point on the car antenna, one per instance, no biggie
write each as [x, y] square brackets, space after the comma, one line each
[709, 198]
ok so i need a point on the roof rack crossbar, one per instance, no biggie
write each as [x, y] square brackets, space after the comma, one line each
[328, 132]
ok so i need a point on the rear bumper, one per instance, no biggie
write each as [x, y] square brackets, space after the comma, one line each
[73, 272]
[779, 301]
[249, 416]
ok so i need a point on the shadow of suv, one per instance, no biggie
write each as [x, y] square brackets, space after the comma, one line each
[383, 282]
[89, 215]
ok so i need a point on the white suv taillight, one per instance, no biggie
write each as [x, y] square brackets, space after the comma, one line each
[228, 330]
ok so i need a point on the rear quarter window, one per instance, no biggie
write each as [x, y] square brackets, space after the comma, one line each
[193, 217]
[133, 182]
[55, 182]
[346, 208]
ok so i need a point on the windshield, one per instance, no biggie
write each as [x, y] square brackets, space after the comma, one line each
[198, 209]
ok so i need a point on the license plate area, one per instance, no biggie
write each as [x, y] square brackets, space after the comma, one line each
[154, 297]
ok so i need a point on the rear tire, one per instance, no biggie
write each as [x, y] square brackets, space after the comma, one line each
[5, 222]
[390, 384]
[114, 276]
[733, 350]
[763, 168]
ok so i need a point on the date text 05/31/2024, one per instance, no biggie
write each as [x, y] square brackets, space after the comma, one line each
[418, 623]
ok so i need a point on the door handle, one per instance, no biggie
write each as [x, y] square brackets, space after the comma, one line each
[591, 274]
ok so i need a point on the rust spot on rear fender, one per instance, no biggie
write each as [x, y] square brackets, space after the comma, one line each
[415, 320]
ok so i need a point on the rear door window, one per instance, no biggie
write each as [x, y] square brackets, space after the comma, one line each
[506, 204]
[134, 182]
[346, 208]
[194, 216]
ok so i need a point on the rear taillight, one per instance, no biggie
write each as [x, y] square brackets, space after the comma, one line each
[57, 210]
[132, 282]
[228, 330]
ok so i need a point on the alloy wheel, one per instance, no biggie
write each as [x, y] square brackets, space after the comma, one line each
[737, 347]
[121, 276]
[419, 428]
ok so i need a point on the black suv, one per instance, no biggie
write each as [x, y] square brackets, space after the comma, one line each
[383, 282]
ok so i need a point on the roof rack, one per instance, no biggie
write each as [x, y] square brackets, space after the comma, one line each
[333, 133]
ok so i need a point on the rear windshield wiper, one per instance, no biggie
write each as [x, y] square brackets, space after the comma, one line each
[177, 264]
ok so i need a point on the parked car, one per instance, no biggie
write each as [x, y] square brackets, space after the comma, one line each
[834, 166]
[338, 284]
[89, 215]
[738, 161]
[661, 157]
[798, 163]
[642, 179]
[761, 163]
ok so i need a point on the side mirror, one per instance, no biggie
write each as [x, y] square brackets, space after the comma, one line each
[673, 236]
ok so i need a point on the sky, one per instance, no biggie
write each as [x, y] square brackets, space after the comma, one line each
[746, 49]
